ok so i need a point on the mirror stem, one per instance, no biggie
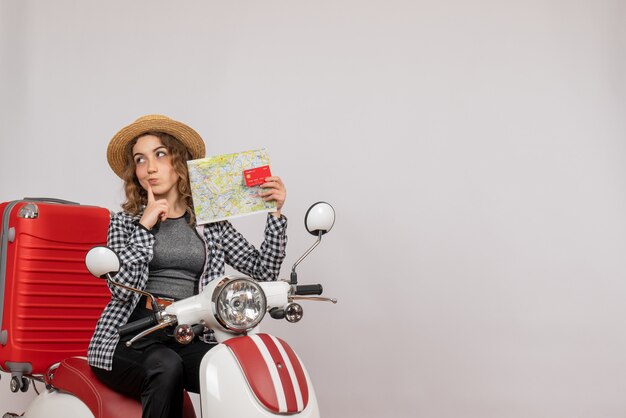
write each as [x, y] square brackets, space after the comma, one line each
[155, 306]
[294, 275]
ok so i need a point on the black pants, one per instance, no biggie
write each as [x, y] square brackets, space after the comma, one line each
[156, 370]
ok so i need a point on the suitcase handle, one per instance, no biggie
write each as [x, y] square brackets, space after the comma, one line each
[50, 200]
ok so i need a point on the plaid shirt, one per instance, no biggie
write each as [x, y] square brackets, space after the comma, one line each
[134, 246]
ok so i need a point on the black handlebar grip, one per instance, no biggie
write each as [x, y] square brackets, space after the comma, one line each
[309, 289]
[138, 325]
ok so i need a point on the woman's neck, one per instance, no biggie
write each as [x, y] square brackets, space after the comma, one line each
[178, 210]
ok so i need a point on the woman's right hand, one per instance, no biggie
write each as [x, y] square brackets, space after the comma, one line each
[155, 210]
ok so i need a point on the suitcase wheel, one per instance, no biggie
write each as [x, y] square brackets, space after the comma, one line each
[19, 383]
[25, 384]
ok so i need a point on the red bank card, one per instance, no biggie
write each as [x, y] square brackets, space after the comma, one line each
[256, 176]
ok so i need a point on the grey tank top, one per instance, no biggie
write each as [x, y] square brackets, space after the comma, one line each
[178, 262]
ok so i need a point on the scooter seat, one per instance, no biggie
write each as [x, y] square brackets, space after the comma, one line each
[76, 377]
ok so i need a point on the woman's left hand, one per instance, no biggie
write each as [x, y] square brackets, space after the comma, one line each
[274, 190]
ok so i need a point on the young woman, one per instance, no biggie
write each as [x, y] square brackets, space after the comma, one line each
[163, 252]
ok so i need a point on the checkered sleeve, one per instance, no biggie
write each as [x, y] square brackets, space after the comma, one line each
[261, 264]
[134, 246]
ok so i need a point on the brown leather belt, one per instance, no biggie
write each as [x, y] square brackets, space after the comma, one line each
[161, 302]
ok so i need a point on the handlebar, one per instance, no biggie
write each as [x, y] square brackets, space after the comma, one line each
[308, 289]
[159, 320]
[137, 325]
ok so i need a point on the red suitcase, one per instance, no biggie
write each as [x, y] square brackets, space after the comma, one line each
[49, 303]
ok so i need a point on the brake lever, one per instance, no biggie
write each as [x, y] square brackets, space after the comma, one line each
[317, 298]
[167, 321]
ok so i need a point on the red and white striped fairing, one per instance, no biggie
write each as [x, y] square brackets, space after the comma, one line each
[273, 372]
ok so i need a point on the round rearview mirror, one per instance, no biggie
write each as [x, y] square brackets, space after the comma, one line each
[102, 260]
[319, 218]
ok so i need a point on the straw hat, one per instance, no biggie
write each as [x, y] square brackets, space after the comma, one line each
[116, 152]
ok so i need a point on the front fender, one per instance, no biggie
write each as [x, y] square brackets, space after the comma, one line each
[255, 376]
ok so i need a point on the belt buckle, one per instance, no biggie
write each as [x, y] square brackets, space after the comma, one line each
[162, 303]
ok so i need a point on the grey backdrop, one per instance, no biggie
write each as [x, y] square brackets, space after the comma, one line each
[474, 152]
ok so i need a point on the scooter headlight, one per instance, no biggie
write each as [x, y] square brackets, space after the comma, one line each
[240, 304]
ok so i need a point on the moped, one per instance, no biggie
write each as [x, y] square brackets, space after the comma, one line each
[247, 374]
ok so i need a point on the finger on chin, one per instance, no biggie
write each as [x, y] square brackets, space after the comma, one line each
[150, 193]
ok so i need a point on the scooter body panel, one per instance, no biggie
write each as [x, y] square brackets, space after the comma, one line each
[55, 404]
[228, 393]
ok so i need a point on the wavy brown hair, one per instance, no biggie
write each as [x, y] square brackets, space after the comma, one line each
[137, 196]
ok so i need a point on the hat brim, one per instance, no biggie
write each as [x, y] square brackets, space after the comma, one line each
[116, 151]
